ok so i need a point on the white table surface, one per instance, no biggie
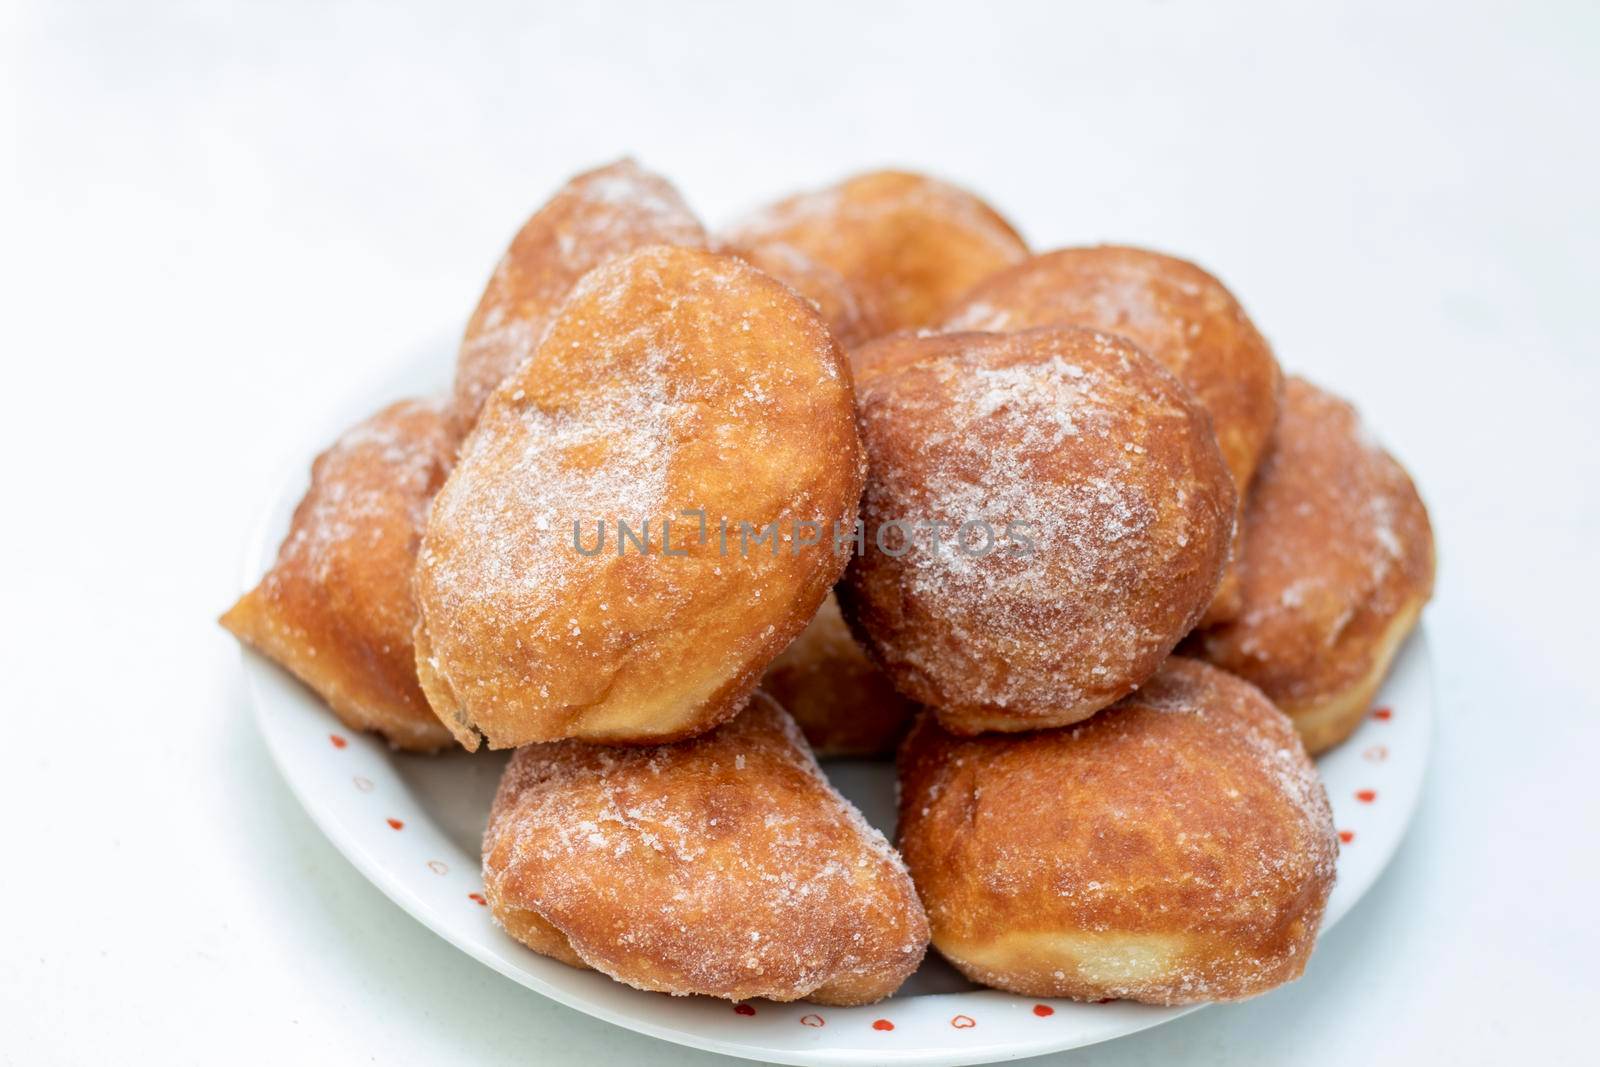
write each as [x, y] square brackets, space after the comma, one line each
[219, 226]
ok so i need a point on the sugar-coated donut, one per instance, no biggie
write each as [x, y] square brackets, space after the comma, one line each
[724, 865]
[1182, 316]
[849, 314]
[1176, 848]
[845, 706]
[336, 609]
[675, 385]
[1086, 515]
[909, 244]
[1337, 565]
[594, 217]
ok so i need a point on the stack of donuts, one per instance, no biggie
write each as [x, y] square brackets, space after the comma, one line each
[864, 476]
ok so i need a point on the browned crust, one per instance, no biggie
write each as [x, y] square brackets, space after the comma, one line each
[1179, 314]
[903, 348]
[845, 706]
[673, 379]
[1108, 462]
[907, 244]
[1338, 562]
[596, 216]
[336, 607]
[724, 866]
[1176, 848]
[851, 316]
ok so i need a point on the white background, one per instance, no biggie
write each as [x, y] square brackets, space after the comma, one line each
[221, 225]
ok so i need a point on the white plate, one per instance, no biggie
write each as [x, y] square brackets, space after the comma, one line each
[412, 825]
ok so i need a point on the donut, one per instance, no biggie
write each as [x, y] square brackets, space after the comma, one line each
[1338, 562]
[594, 217]
[1174, 849]
[554, 600]
[724, 865]
[1085, 516]
[335, 610]
[845, 706]
[909, 244]
[850, 318]
[1176, 312]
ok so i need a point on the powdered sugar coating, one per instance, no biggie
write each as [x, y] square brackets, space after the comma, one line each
[725, 866]
[336, 608]
[1176, 848]
[1338, 553]
[672, 381]
[1177, 313]
[1097, 455]
[593, 218]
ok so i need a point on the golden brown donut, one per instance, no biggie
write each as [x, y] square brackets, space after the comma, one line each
[594, 217]
[1095, 456]
[335, 609]
[725, 866]
[1338, 563]
[1176, 848]
[845, 706]
[907, 243]
[673, 380]
[849, 315]
[1173, 310]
